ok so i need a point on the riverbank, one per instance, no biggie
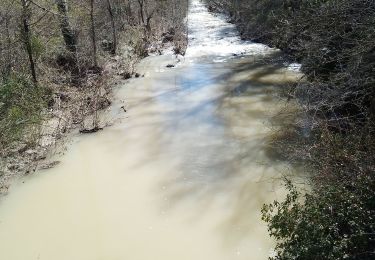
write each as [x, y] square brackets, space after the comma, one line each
[71, 111]
[57, 75]
[335, 142]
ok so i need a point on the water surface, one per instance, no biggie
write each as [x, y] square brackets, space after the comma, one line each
[181, 175]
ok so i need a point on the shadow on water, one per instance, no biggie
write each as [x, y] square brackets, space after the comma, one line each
[213, 117]
[219, 162]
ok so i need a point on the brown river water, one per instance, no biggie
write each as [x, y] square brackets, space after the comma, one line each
[182, 175]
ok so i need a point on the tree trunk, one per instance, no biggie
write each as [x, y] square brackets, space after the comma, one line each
[26, 36]
[93, 34]
[141, 12]
[8, 66]
[114, 33]
[129, 13]
[69, 37]
[148, 24]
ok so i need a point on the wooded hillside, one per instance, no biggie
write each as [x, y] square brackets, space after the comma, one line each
[46, 45]
[59, 61]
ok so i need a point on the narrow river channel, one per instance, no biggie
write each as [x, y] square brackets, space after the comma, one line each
[181, 175]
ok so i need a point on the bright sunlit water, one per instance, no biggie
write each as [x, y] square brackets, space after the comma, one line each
[182, 175]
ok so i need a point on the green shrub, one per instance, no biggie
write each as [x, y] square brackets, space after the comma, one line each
[329, 222]
[37, 46]
[335, 219]
[21, 105]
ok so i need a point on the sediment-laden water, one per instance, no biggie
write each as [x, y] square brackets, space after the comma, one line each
[181, 175]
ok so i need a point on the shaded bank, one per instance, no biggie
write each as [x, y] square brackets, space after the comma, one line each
[333, 134]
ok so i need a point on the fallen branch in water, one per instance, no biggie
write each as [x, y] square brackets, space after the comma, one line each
[90, 131]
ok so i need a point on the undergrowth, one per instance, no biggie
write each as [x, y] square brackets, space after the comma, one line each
[21, 107]
[333, 134]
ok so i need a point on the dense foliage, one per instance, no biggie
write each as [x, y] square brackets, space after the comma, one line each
[333, 40]
[333, 222]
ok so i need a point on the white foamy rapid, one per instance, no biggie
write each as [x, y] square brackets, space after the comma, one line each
[212, 35]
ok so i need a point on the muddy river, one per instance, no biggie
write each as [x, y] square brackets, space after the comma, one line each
[181, 175]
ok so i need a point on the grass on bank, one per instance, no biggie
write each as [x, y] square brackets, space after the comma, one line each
[21, 107]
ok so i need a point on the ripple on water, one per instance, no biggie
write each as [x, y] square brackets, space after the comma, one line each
[212, 35]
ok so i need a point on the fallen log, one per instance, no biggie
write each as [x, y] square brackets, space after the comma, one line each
[90, 131]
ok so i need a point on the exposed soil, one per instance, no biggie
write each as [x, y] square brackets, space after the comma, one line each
[73, 109]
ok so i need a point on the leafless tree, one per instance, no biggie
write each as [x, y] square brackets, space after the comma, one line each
[26, 36]
[113, 25]
[93, 33]
[69, 37]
